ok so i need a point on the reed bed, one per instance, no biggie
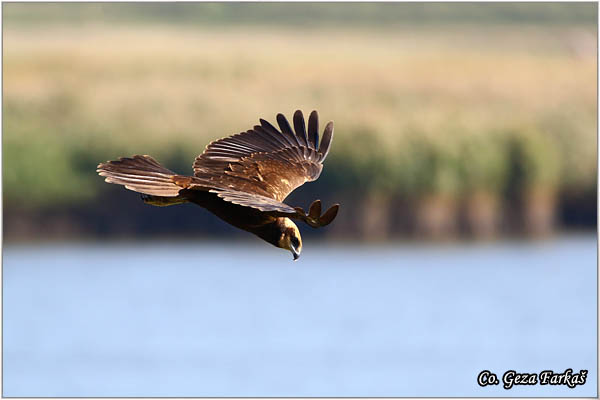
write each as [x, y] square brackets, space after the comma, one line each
[455, 123]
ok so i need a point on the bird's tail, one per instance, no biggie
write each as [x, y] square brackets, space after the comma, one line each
[142, 174]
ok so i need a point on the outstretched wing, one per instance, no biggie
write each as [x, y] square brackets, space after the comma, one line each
[278, 209]
[265, 161]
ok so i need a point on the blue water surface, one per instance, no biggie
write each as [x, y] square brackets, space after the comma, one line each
[241, 319]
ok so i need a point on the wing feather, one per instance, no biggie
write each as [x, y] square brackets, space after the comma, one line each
[287, 131]
[264, 160]
[289, 137]
[288, 140]
[256, 201]
[275, 140]
[278, 209]
[140, 173]
[313, 130]
[326, 140]
[300, 128]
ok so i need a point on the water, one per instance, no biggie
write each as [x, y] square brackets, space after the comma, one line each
[237, 319]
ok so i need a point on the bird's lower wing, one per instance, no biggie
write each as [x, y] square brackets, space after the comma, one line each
[278, 209]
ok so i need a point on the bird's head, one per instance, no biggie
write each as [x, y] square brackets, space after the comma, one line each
[290, 238]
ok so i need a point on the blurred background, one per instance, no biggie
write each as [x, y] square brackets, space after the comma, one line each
[464, 160]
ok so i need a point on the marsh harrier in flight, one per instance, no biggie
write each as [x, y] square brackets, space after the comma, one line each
[242, 179]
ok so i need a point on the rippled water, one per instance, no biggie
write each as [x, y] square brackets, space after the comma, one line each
[242, 319]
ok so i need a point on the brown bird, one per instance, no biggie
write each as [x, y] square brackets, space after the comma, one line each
[242, 179]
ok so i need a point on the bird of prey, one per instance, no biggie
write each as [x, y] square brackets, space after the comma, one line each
[242, 179]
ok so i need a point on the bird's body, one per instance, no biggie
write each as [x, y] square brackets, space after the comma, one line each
[242, 179]
[248, 219]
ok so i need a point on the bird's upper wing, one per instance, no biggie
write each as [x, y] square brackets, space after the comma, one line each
[264, 161]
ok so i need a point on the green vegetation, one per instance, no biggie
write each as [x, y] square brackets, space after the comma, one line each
[420, 111]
